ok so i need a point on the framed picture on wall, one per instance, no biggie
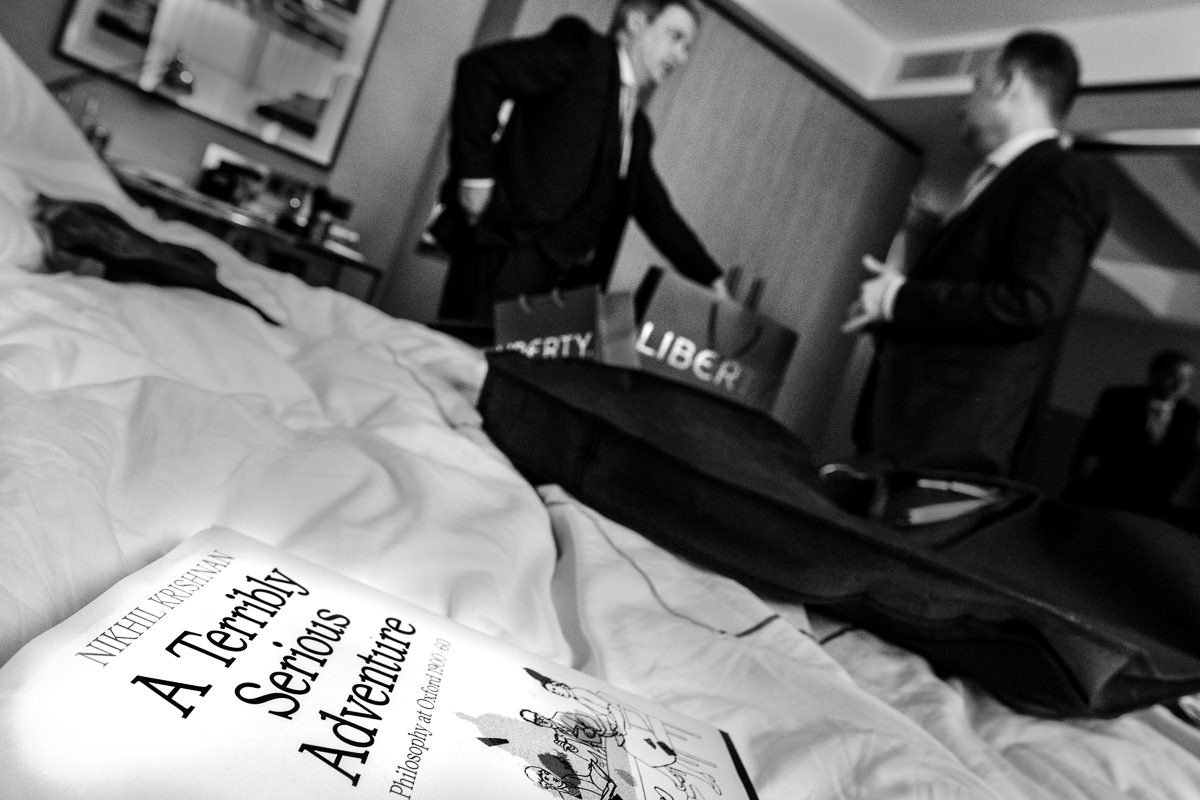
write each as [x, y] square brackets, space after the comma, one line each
[286, 72]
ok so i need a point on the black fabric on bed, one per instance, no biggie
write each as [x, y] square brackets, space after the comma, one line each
[1058, 611]
[77, 230]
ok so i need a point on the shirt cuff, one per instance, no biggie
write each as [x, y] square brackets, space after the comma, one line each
[477, 183]
[889, 296]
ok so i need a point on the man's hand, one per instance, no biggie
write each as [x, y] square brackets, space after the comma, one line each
[874, 297]
[474, 198]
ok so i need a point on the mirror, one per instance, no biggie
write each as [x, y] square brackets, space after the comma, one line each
[286, 72]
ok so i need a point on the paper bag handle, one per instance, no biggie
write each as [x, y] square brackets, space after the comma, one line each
[555, 295]
[712, 332]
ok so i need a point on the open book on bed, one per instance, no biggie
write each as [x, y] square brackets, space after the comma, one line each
[230, 668]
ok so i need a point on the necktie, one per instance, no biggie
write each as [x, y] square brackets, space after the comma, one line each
[628, 109]
[976, 183]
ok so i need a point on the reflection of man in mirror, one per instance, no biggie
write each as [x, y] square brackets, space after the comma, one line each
[1140, 441]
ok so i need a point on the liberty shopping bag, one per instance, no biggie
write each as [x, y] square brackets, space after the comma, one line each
[576, 323]
[689, 334]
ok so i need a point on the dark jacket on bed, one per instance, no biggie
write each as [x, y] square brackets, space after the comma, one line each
[556, 167]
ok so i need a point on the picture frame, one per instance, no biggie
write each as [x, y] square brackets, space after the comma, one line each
[285, 72]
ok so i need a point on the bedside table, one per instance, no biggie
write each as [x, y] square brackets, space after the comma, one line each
[317, 263]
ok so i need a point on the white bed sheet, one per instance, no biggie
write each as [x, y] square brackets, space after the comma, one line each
[133, 416]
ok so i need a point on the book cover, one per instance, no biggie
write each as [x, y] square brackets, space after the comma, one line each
[229, 668]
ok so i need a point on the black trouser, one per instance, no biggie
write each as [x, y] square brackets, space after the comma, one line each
[481, 275]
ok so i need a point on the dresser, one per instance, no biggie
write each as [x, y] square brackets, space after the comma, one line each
[320, 263]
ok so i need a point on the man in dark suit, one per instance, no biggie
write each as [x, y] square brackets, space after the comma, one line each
[966, 342]
[1140, 441]
[540, 200]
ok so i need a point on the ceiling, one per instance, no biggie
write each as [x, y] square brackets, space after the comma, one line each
[1141, 71]
[908, 20]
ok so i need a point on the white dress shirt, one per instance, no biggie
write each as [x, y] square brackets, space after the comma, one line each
[628, 108]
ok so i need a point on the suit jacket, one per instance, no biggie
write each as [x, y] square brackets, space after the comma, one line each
[1132, 471]
[976, 329]
[556, 166]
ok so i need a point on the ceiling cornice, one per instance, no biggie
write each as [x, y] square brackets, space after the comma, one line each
[1153, 46]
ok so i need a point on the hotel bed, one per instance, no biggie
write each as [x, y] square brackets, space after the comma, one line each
[133, 416]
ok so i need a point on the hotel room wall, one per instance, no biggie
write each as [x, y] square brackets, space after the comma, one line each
[778, 175]
[388, 141]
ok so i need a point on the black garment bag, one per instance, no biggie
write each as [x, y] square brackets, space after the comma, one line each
[1056, 610]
